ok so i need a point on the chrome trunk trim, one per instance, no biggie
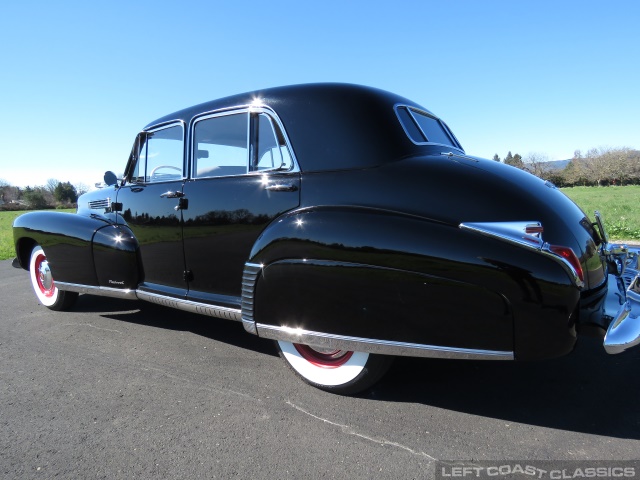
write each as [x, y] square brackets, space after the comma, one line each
[383, 347]
[191, 306]
[126, 294]
[516, 233]
[249, 278]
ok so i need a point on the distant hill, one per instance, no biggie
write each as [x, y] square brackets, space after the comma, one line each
[557, 165]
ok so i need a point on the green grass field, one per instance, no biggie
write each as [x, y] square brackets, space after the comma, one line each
[6, 235]
[620, 207]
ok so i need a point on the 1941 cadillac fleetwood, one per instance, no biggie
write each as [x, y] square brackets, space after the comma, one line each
[347, 224]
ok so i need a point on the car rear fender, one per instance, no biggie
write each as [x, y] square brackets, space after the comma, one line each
[368, 273]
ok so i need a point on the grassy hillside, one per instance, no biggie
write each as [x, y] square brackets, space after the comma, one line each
[620, 207]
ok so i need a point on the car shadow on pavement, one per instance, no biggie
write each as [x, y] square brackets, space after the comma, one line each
[144, 313]
[586, 391]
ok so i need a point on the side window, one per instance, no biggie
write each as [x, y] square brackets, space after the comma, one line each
[221, 146]
[271, 149]
[160, 156]
[423, 128]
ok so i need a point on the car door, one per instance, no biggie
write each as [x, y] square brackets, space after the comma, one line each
[243, 175]
[150, 203]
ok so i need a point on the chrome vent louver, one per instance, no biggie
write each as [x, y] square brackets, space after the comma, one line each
[100, 204]
[249, 278]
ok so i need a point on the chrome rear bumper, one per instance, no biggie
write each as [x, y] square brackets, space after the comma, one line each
[624, 330]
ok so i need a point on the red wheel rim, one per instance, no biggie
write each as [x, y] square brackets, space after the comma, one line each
[328, 359]
[43, 276]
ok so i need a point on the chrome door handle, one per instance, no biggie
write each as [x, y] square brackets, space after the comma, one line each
[281, 187]
[171, 194]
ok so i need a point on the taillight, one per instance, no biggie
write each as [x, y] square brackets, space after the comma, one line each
[569, 255]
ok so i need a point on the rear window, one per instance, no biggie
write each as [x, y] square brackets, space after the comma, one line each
[424, 128]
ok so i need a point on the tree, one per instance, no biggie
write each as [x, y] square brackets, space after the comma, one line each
[81, 188]
[35, 198]
[514, 160]
[509, 158]
[65, 192]
[51, 185]
[496, 158]
[574, 173]
[538, 164]
[3, 186]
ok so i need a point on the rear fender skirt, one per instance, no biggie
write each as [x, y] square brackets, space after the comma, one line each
[352, 271]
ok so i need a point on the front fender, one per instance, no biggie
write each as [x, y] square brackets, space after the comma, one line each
[81, 250]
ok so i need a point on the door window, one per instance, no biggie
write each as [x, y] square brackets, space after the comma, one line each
[221, 146]
[160, 156]
[272, 151]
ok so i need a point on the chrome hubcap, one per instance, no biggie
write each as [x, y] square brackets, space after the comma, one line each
[44, 275]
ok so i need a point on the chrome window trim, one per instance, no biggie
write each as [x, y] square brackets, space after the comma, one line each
[381, 347]
[445, 127]
[295, 168]
[156, 128]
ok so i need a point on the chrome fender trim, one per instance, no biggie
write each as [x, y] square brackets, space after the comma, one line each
[370, 345]
[126, 294]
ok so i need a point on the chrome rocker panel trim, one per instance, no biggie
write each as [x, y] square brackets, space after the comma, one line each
[126, 294]
[191, 306]
[178, 303]
[370, 345]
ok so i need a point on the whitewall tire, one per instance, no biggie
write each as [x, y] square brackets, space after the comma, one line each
[43, 284]
[337, 371]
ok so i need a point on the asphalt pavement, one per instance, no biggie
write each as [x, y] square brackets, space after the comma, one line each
[126, 389]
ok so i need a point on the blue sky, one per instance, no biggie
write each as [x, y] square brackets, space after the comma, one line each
[78, 80]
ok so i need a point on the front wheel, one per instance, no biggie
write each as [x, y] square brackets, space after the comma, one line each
[337, 371]
[44, 286]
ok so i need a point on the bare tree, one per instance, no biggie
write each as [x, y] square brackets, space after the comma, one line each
[51, 185]
[82, 188]
[537, 163]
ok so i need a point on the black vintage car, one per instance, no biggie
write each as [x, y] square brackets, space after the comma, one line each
[345, 223]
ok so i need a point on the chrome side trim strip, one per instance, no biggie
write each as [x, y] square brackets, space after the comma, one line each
[102, 291]
[249, 278]
[384, 347]
[191, 306]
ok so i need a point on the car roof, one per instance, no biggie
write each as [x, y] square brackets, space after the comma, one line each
[330, 126]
